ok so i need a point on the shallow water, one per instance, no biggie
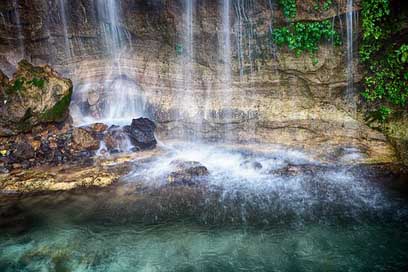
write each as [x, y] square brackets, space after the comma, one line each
[326, 217]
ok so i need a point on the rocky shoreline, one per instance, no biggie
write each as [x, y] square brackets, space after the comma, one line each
[41, 150]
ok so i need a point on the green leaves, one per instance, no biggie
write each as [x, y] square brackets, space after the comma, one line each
[386, 79]
[289, 8]
[18, 85]
[303, 37]
[37, 82]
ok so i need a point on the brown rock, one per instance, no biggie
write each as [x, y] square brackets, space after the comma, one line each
[99, 127]
[84, 140]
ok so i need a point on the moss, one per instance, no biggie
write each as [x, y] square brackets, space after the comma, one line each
[24, 124]
[57, 113]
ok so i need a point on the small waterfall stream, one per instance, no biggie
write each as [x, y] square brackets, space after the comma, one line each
[190, 108]
[226, 74]
[20, 35]
[122, 97]
[63, 13]
[352, 24]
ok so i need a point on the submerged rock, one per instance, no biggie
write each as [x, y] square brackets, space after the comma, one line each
[250, 164]
[293, 170]
[35, 95]
[186, 172]
[116, 140]
[141, 133]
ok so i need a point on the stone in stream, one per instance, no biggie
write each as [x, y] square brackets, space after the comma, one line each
[250, 164]
[141, 133]
[115, 140]
[186, 172]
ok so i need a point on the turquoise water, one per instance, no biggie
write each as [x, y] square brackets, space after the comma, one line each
[326, 220]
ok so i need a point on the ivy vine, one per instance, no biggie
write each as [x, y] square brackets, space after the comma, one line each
[302, 37]
[386, 78]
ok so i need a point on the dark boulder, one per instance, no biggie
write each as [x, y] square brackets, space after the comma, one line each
[141, 133]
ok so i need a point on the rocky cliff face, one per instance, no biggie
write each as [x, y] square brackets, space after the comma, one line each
[272, 95]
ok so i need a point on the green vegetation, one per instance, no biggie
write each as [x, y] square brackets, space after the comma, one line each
[19, 83]
[302, 37]
[58, 111]
[305, 37]
[289, 8]
[386, 79]
[37, 82]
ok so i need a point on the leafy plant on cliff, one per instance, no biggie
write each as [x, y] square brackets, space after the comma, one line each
[305, 37]
[289, 8]
[302, 37]
[386, 79]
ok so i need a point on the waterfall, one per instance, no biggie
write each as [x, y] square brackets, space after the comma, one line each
[20, 35]
[272, 46]
[351, 21]
[68, 48]
[190, 106]
[246, 36]
[226, 73]
[226, 44]
[118, 98]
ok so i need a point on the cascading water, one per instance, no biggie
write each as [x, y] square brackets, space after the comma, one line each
[117, 99]
[190, 108]
[63, 14]
[352, 21]
[20, 36]
[226, 73]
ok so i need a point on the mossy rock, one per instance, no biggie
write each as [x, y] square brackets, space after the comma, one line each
[35, 95]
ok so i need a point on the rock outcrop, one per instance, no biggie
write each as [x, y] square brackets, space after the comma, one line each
[35, 95]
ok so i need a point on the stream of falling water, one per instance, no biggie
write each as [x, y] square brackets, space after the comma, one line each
[122, 97]
[63, 13]
[20, 36]
[351, 21]
[226, 80]
[189, 105]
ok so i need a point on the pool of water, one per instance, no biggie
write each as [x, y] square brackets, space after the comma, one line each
[323, 217]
